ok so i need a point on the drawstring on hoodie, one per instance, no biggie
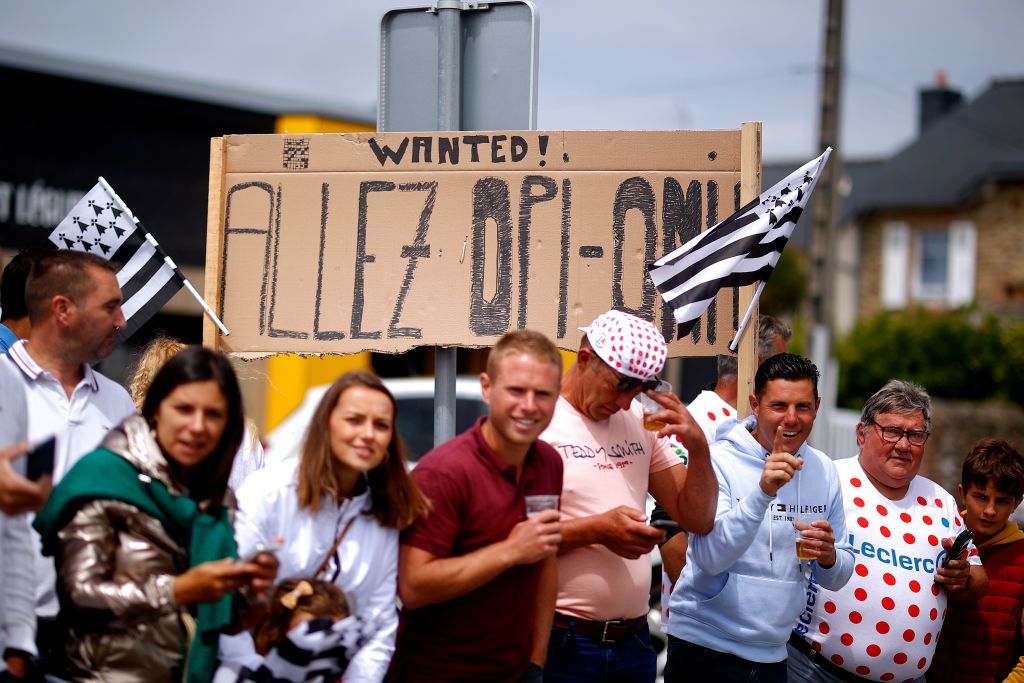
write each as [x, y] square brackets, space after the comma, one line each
[771, 522]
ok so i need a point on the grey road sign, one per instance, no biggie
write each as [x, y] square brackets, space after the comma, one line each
[457, 66]
[497, 49]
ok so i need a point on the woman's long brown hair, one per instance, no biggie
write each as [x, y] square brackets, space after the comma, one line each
[396, 500]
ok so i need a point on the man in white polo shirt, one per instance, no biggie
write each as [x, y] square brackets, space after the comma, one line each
[74, 306]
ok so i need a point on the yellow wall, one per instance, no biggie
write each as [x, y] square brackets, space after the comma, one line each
[568, 360]
[303, 123]
[290, 376]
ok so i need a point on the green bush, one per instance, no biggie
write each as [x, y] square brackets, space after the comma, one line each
[954, 355]
[1011, 375]
[787, 287]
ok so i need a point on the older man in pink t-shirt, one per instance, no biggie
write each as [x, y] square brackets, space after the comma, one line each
[611, 462]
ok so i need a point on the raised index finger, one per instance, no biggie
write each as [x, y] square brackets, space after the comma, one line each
[777, 446]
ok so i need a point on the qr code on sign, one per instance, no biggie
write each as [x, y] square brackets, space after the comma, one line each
[296, 153]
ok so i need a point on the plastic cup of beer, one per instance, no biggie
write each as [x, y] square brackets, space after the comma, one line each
[536, 504]
[802, 549]
[651, 406]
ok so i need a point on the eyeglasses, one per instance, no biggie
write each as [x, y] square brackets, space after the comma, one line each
[625, 383]
[916, 437]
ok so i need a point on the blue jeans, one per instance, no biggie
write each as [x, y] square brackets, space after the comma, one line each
[689, 662]
[573, 658]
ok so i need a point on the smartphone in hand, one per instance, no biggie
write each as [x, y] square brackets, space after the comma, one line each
[271, 547]
[959, 546]
[665, 524]
[39, 459]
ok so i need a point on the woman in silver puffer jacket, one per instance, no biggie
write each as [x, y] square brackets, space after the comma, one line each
[141, 533]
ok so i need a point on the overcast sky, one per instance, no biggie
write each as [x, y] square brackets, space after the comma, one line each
[668, 64]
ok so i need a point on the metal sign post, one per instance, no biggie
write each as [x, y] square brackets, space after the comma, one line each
[458, 66]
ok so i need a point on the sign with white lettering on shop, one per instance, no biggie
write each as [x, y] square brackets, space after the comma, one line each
[342, 243]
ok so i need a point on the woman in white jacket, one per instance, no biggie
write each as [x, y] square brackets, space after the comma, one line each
[339, 511]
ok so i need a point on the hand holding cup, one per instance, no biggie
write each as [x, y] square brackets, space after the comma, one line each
[651, 406]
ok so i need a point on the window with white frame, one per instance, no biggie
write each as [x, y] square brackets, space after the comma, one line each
[931, 265]
[928, 264]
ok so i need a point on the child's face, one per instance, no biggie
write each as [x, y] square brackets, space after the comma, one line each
[988, 509]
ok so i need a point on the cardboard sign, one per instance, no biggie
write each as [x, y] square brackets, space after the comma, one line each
[341, 243]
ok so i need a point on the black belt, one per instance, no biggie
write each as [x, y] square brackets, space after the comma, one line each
[822, 661]
[604, 632]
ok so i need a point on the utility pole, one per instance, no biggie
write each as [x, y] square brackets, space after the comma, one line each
[826, 200]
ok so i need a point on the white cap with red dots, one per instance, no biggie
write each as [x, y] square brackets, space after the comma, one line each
[630, 345]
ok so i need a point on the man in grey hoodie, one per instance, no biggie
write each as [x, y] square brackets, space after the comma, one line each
[743, 585]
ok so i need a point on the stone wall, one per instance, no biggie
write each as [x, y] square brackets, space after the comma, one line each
[999, 284]
[958, 425]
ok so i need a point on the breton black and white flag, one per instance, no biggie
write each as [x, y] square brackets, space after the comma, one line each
[101, 224]
[741, 250]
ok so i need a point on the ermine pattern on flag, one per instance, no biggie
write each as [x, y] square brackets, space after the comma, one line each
[148, 279]
[741, 250]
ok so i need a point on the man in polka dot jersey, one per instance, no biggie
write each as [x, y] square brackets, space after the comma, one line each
[884, 624]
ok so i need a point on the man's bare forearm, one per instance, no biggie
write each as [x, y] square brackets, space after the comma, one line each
[423, 582]
[547, 594]
[698, 498]
[580, 532]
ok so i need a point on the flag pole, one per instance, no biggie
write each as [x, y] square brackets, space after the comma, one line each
[188, 285]
[167, 259]
[734, 344]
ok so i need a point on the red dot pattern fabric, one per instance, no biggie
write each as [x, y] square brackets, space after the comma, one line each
[884, 624]
[710, 411]
[631, 345]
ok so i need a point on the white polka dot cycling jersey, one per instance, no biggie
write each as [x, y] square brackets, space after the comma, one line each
[884, 624]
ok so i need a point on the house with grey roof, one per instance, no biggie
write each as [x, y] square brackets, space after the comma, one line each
[941, 223]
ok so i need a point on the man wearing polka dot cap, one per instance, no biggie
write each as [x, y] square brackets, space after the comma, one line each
[611, 462]
[884, 624]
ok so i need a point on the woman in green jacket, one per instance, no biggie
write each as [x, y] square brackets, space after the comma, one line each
[141, 532]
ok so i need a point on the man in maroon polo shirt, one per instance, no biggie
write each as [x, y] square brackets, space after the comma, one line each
[477, 575]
